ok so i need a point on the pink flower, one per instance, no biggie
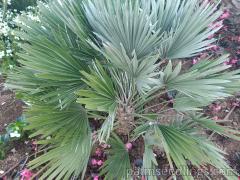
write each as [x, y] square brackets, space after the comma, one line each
[217, 108]
[94, 162]
[96, 178]
[194, 61]
[211, 36]
[233, 61]
[34, 142]
[225, 28]
[98, 152]
[171, 101]
[216, 25]
[225, 15]
[205, 2]
[215, 118]
[105, 146]
[226, 63]
[100, 162]
[238, 38]
[26, 174]
[214, 47]
[236, 104]
[203, 55]
[128, 146]
[34, 145]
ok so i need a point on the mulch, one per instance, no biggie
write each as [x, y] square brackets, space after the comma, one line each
[10, 107]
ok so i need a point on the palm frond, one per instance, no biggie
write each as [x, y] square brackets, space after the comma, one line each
[182, 142]
[118, 163]
[72, 14]
[55, 55]
[70, 140]
[107, 128]
[126, 39]
[143, 72]
[123, 23]
[149, 159]
[175, 29]
[214, 126]
[102, 95]
[202, 84]
[183, 103]
[182, 146]
[186, 24]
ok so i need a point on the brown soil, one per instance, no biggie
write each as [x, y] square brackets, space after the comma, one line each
[16, 155]
[10, 107]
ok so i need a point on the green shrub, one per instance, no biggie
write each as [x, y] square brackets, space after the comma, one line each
[10, 44]
[21, 5]
[107, 60]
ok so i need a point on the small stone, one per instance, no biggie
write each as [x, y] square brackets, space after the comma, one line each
[13, 150]
[235, 123]
[138, 162]
[150, 123]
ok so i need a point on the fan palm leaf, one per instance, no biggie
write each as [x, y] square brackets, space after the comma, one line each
[181, 147]
[118, 164]
[51, 56]
[69, 137]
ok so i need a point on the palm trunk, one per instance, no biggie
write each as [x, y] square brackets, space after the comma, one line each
[125, 119]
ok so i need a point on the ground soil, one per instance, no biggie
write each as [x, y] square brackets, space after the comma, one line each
[10, 107]
[16, 158]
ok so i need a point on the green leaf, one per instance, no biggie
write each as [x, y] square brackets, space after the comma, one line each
[215, 126]
[174, 29]
[70, 140]
[102, 95]
[123, 24]
[118, 163]
[142, 71]
[52, 58]
[185, 24]
[149, 159]
[106, 128]
[202, 84]
[182, 146]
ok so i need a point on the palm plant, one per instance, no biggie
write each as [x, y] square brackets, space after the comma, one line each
[109, 59]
